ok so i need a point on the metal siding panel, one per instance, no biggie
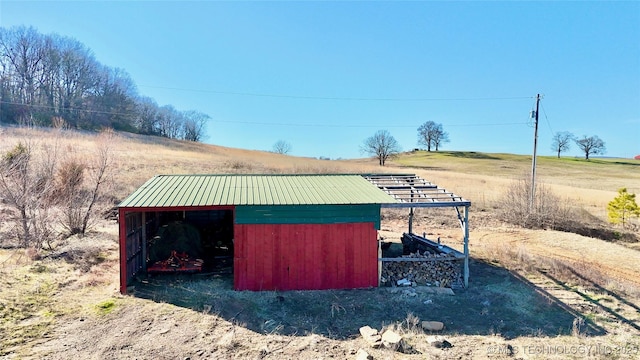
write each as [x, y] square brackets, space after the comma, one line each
[323, 257]
[282, 274]
[330, 259]
[240, 270]
[230, 194]
[360, 256]
[219, 188]
[151, 197]
[268, 254]
[228, 189]
[264, 195]
[292, 253]
[316, 249]
[308, 214]
[276, 266]
[341, 241]
[312, 261]
[317, 256]
[212, 191]
[204, 192]
[285, 186]
[304, 234]
[250, 191]
[194, 191]
[287, 252]
[259, 242]
[350, 243]
[179, 193]
[370, 258]
[251, 256]
[254, 192]
[311, 192]
[172, 191]
[340, 194]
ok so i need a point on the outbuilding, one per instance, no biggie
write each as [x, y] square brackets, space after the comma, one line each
[282, 232]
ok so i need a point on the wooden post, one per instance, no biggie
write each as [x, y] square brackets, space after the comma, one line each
[122, 234]
[379, 261]
[144, 241]
[411, 221]
[466, 247]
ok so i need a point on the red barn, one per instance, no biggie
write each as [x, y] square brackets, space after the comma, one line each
[283, 232]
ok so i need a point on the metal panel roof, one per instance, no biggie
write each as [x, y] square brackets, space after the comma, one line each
[413, 191]
[221, 190]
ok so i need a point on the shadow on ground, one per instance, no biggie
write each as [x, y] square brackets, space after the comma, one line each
[497, 302]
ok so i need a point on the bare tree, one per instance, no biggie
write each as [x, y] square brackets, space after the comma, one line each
[281, 147]
[562, 142]
[193, 125]
[591, 145]
[431, 134]
[82, 184]
[24, 49]
[75, 74]
[170, 122]
[53, 80]
[381, 145]
[146, 120]
[440, 137]
[26, 185]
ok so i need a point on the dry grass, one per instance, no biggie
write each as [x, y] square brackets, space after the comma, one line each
[65, 304]
[138, 158]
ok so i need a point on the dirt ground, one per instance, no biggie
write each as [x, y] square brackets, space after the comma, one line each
[504, 313]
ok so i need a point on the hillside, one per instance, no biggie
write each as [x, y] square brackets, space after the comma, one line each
[540, 288]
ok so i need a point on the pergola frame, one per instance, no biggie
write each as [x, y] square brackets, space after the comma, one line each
[411, 191]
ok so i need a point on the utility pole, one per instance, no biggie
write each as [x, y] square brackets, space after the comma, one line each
[533, 161]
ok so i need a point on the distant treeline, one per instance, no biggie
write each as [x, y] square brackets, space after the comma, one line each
[53, 80]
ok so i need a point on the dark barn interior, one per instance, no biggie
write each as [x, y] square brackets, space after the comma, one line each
[188, 241]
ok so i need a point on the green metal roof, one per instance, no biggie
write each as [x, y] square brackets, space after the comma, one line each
[220, 190]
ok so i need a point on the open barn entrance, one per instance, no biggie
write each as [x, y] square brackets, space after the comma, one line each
[179, 242]
[191, 241]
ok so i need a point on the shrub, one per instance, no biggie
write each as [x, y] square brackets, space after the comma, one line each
[26, 187]
[546, 210]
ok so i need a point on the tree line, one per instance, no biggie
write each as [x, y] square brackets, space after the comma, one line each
[56, 81]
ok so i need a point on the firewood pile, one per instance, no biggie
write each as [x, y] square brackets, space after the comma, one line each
[424, 262]
[435, 270]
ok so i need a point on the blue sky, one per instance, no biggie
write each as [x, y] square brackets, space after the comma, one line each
[324, 76]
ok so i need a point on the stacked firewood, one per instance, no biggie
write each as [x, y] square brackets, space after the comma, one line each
[433, 271]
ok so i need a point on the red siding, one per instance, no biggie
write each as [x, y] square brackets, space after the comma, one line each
[305, 256]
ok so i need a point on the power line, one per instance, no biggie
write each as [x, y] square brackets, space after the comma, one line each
[337, 98]
[361, 126]
[271, 123]
[547, 119]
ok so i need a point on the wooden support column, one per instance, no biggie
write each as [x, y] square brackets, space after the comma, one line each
[466, 247]
[144, 241]
[411, 221]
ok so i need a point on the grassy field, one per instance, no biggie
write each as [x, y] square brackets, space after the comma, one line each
[532, 294]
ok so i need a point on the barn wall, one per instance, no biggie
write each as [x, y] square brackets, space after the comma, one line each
[305, 256]
[308, 214]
